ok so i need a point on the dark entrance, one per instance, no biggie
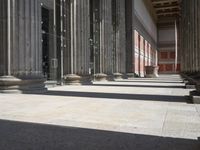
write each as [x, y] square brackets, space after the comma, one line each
[45, 43]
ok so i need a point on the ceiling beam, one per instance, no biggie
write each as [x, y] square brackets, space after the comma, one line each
[163, 1]
[167, 8]
[168, 13]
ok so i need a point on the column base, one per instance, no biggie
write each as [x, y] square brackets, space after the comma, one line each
[25, 85]
[130, 75]
[86, 80]
[195, 97]
[118, 76]
[100, 77]
[72, 79]
[151, 71]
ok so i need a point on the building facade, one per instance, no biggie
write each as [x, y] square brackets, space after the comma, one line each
[72, 42]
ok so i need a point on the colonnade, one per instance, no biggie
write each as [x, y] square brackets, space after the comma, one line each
[94, 38]
[20, 46]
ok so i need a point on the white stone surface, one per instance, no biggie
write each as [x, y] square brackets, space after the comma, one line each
[118, 106]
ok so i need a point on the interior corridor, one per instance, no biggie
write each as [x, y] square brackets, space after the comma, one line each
[128, 114]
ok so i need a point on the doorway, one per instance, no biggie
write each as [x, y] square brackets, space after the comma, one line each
[45, 43]
[49, 52]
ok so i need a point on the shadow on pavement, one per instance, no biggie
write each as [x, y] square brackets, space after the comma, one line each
[149, 81]
[143, 86]
[31, 136]
[144, 97]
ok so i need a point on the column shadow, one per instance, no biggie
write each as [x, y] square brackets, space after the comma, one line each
[136, 85]
[144, 97]
[150, 81]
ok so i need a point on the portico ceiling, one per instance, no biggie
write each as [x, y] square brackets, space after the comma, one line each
[167, 8]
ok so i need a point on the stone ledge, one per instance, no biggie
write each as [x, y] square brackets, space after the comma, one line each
[26, 85]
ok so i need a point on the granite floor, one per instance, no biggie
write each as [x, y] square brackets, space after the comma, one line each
[131, 114]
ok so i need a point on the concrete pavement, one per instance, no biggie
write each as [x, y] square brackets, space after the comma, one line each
[127, 114]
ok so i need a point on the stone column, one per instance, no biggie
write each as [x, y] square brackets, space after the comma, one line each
[75, 33]
[106, 36]
[102, 38]
[20, 46]
[190, 40]
[184, 40]
[198, 33]
[130, 44]
[119, 39]
[189, 36]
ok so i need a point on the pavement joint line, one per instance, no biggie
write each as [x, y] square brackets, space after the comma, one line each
[165, 118]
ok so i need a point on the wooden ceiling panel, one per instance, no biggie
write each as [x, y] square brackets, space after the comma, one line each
[166, 8]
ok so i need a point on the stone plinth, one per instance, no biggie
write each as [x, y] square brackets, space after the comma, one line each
[151, 71]
[86, 80]
[72, 79]
[100, 77]
[130, 75]
[118, 76]
[31, 84]
[76, 40]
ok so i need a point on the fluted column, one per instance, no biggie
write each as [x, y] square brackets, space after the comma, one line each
[190, 40]
[184, 42]
[106, 37]
[119, 40]
[75, 31]
[198, 33]
[190, 36]
[4, 38]
[20, 33]
[130, 42]
[102, 38]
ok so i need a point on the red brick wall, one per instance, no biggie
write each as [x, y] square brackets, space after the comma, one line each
[167, 62]
[136, 40]
[172, 55]
[163, 55]
[149, 55]
[141, 56]
[144, 54]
